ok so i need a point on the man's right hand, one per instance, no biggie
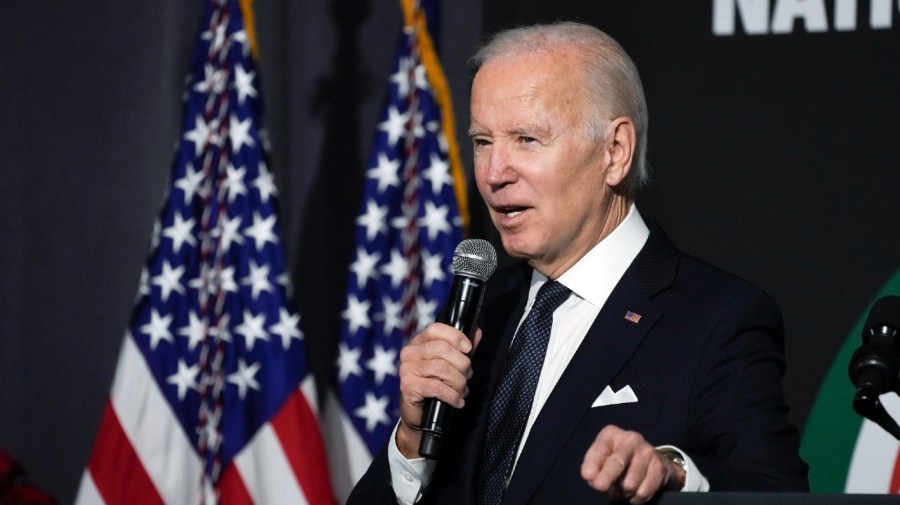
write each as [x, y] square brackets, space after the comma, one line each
[434, 364]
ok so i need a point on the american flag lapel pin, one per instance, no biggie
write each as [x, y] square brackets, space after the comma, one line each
[634, 317]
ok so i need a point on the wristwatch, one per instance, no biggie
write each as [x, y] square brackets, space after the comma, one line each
[673, 456]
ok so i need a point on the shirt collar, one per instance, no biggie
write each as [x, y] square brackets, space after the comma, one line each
[596, 274]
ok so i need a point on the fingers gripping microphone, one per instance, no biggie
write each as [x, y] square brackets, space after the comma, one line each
[473, 263]
[875, 367]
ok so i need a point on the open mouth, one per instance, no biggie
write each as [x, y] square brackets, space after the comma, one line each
[511, 211]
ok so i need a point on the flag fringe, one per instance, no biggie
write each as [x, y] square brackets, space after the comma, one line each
[414, 19]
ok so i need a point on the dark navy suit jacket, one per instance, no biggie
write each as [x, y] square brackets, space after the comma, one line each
[705, 361]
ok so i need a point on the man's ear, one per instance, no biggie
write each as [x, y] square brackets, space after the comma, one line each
[621, 150]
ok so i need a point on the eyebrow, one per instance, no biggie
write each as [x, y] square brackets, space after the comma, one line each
[529, 130]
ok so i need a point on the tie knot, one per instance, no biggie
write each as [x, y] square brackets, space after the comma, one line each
[550, 296]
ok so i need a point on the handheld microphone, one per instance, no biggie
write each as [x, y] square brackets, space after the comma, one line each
[474, 261]
[875, 367]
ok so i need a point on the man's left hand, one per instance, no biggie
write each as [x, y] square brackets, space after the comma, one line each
[622, 465]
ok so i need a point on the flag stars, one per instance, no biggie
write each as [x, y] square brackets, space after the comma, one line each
[363, 267]
[385, 172]
[229, 231]
[240, 37]
[264, 183]
[421, 78]
[373, 220]
[181, 232]
[203, 133]
[155, 234]
[239, 133]
[258, 280]
[401, 77]
[222, 331]
[224, 280]
[415, 129]
[216, 37]
[382, 363]
[357, 313]
[184, 379]
[348, 362]
[435, 220]
[195, 331]
[374, 411]
[144, 284]
[190, 183]
[158, 329]
[394, 125]
[397, 268]
[169, 280]
[234, 182]
[213, 80]
[245, 377]
[426, 310]
[252, 328]
[432, 268]
[285, 280]
[262, 230]
[438, 173]
[393, 319]
[243, 82]
[287, 327]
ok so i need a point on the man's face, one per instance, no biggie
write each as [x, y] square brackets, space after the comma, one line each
[543, 179]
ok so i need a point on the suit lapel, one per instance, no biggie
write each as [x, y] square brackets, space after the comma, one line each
[606, 348]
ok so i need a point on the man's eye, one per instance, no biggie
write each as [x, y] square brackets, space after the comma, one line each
[528, 140]
[480, 142]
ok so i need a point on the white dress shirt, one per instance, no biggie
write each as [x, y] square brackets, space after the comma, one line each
[591, 281]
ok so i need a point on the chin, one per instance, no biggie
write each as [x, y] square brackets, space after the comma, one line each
[516, 249]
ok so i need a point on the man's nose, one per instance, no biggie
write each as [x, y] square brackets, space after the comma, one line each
[500, 166]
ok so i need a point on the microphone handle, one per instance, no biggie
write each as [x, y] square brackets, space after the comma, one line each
[461, 312]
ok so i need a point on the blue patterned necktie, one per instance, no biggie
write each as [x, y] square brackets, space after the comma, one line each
[512, 400]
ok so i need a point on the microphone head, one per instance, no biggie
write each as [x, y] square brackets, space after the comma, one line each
[475, 258]
[884, 318]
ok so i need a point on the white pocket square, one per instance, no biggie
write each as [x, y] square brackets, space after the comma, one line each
[607, 397]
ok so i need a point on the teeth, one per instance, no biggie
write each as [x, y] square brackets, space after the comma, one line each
[513, 213]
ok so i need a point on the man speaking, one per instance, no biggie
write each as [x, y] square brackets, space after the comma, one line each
[609, 365]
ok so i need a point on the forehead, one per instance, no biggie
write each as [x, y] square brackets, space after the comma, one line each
[521, 87]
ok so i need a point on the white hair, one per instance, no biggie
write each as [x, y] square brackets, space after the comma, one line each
[612, 84]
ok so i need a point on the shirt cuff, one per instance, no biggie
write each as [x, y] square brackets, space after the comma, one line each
[408, 476]
[694, 481]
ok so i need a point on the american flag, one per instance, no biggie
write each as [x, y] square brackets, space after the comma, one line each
[211, 401]
[409, 224]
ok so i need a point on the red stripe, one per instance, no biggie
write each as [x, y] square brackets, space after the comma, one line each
[232, 489]
[298, 430]
[117, 471]
[895, 479]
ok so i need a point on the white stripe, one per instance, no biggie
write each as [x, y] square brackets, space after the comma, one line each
[87, 492]
[154, 432]
[310, 394]
[875, 454]
[348, 456]
[266, 471]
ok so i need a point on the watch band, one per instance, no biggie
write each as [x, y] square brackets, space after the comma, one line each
[673, 456]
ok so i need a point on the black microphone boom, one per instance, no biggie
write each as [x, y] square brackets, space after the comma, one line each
[875, 367]
[474, 261]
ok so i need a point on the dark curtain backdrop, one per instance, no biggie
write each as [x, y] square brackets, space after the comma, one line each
[775, 157]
